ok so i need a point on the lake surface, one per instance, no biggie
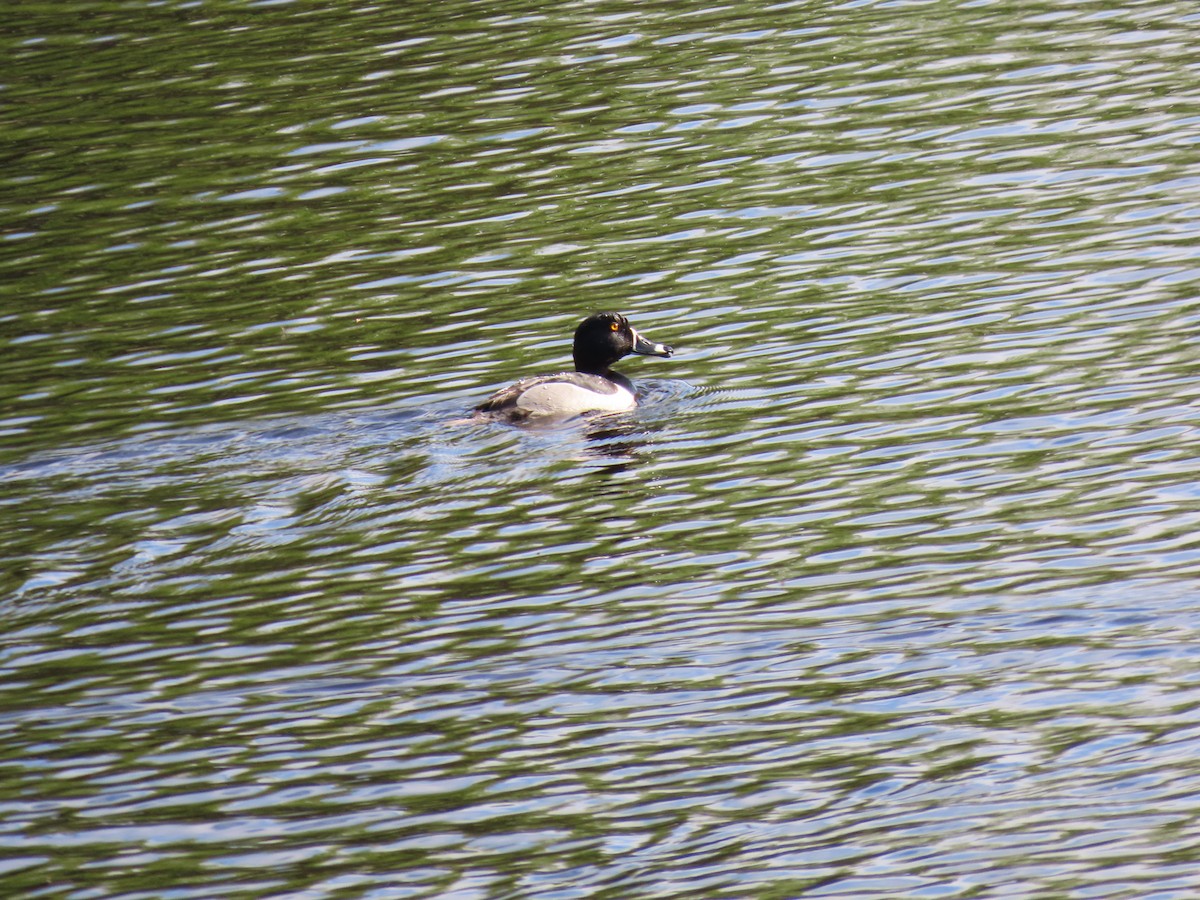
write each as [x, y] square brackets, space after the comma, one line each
[889, 587]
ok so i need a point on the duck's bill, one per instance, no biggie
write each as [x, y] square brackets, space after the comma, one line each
[649, 348]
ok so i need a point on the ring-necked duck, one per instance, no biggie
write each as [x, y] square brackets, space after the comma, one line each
[600, 340]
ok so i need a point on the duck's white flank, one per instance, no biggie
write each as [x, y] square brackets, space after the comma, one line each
[561, 398]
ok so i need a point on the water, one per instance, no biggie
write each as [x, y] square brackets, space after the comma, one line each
[890, 587]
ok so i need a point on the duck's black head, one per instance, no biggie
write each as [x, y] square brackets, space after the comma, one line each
[602, 339]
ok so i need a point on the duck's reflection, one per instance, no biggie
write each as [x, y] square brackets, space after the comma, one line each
[618, 442]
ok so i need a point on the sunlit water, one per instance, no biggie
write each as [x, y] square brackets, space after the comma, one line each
[890, 587]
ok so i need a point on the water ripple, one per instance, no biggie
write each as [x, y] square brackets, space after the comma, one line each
[888, 586]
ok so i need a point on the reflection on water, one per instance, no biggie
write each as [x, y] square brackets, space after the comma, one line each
[888, 586]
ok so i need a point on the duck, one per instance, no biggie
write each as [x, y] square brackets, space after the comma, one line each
[600, 340]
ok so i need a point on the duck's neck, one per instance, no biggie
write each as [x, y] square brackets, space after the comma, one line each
[591, 365]
[595, 367]
[618, 378]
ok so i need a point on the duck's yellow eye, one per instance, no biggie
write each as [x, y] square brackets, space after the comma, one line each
[615, 326]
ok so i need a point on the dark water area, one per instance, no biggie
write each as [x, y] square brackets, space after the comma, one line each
[890, 586]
